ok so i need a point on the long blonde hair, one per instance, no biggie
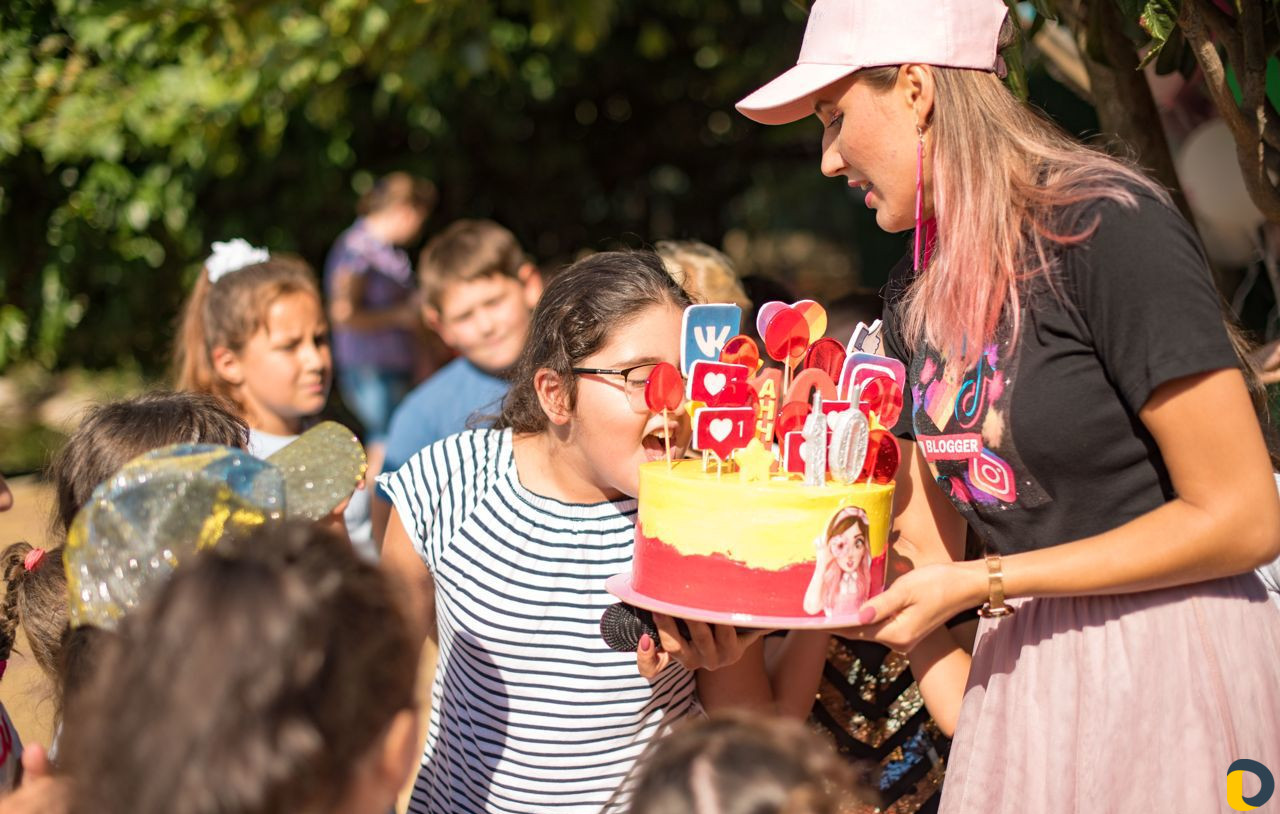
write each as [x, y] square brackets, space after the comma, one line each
[1002, 175]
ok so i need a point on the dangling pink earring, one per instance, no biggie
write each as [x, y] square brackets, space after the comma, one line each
[919, 195]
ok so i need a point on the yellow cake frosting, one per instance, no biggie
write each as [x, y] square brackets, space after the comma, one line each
[767, 525]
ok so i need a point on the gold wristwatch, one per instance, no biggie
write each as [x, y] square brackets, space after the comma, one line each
[995, 606]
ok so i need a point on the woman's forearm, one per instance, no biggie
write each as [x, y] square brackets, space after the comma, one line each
[1175, 544]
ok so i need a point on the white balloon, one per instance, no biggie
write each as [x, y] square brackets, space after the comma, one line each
[1214, 185]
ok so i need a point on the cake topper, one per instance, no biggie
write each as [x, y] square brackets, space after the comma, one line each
[831, 417]
[754, 462]
[717, 384]
[861, 366]
[766, 313]
[663, 392]
[816, 317]
[826, 355]
[814, 450]
[786, 338]
[882, 457]
[848, 444]
[742, 350]
[704, 331]
[866, 338]
[719, 431]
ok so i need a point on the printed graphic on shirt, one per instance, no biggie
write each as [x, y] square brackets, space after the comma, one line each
[962, 428]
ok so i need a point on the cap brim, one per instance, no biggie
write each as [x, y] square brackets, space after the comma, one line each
[789, 97]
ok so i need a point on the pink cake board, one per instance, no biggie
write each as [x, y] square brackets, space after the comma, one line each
[620, 586]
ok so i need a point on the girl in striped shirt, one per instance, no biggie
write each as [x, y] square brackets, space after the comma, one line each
[502, 540]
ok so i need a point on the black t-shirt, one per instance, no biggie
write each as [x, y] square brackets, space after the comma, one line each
[1043, 445]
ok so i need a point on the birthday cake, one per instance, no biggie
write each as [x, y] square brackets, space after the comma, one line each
[749, 532]
[756, 548]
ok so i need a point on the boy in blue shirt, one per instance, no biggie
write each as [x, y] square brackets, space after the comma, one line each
[478, 293]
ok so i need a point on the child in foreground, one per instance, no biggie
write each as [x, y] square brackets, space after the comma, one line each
[740, 764]
[272, 674]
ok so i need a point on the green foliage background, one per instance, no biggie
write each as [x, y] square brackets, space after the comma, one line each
[135, 132]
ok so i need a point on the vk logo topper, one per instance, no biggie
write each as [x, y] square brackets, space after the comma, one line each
[704, 332]
[1235, 784]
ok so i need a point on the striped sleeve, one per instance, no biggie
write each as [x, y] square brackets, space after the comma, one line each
[436, 489]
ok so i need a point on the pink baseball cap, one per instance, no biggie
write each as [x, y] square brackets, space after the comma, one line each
[844, 36]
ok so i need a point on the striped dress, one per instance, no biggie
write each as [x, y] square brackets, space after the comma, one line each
[530, 711]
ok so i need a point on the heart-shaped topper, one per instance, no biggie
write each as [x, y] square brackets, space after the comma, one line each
[717, 384]
[786, 336]
[766, 314]
[816, 317]
[723, 429]
[665, 388]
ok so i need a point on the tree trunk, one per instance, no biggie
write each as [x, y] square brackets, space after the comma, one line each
[1126, 110]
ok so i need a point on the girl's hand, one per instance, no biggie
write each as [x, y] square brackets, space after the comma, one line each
[919, 602]
[41, 791]
[709, 647]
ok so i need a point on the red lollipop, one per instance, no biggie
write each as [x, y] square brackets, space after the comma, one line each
[741, 350]
[826, 354]
[786, 336]
[882, 396]
[881, 464]
[665, 388]
[791, 418]
[664, 391]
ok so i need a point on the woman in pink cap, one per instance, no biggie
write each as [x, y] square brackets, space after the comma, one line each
[1056, 308]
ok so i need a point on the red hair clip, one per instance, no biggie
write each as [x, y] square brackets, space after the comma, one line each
[33, 559]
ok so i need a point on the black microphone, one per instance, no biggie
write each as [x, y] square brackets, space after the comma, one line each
[622, 625]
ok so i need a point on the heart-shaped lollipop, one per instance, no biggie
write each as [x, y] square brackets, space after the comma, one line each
[786, 336]
[766, 313]
[665, 388]
[815, 316]
[663, 392]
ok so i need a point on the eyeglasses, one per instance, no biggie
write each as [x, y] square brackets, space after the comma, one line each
[634, 381]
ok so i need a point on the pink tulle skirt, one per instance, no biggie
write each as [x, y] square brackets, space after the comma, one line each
[1135, 702]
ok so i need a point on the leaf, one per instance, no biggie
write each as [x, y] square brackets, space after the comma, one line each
[1159, 18]
[1015, 65]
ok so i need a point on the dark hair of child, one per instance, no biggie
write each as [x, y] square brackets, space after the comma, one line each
[747, 764]
[579, 310]
[398, 188]
[110, 435]
[254, 682]
[467, 250]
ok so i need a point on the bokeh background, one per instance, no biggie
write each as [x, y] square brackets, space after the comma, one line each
[133, 133]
